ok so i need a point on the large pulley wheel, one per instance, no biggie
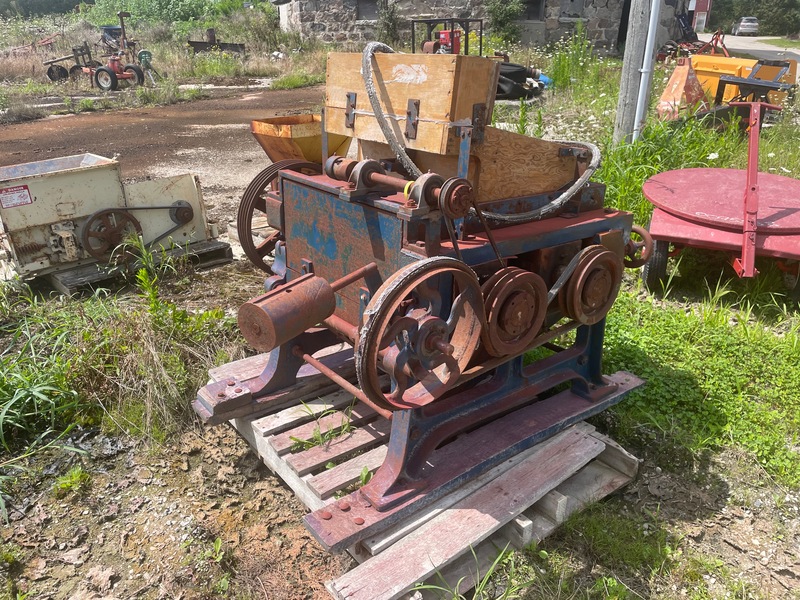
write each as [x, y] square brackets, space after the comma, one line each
[516, 306]
[106, 230]
[593, 286]
[421, 328]
[256, 237]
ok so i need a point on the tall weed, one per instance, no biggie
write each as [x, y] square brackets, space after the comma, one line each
[665, 146]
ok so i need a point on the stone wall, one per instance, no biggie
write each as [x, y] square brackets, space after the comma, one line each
[336, 20]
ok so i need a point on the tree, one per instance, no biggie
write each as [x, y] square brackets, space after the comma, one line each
[29, 8]
[388, 22]
[779, 17]
[775, 17]
[504, 16]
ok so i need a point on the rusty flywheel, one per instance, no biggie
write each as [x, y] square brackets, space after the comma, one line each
[255, 236]
[410, 333]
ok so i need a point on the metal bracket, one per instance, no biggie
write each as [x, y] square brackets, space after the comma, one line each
[412, 119]
[478, 122]
[307, 266]
[364, 297]
[350, 111]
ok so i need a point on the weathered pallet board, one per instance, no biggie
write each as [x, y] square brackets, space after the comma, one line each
[518, 502]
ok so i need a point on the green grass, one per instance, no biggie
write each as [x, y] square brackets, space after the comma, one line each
[74, 481]
[216, 64]
[132, 362]
[782, 43]
[297, 80]
[664, 146]
[715, 377]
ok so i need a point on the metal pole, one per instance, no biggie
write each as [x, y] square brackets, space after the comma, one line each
[646, 70]
[632, 61]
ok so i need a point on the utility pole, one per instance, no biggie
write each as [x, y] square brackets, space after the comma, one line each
[635, 45]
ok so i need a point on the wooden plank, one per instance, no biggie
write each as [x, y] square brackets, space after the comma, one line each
[246, 368]
[467, 570]
[447, 86]
[363, 438]
[380, 542]
[495, 168]
[473, 519]
[283, 442]
[519, 531]
[270, 458]
[554, 505]
[616, 457]
[301, 412]
[327, 483]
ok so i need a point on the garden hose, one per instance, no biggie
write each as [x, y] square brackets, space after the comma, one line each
[366, 72]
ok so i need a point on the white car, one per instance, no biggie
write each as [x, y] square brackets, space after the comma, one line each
[745, 26]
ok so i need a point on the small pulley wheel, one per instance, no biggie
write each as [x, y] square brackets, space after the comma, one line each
[516, 307]
[106, 230]
[593, 286]
[339, 167]
[256, 237]
[421, 328]
[455, 197]
[181, 212]
[639, 248]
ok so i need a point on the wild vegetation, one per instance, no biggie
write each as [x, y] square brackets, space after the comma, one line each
[719, 354]
[777, 17]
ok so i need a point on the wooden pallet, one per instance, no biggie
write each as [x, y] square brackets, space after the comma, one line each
[456, 539]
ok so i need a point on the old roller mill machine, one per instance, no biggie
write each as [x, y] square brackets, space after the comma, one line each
[444, 270]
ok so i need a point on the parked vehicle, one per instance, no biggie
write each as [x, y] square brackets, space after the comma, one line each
[745, 26]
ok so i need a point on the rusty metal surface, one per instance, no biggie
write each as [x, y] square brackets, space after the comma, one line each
[254, 207]
[594, 286]
[446, 322]
[714, 197]
[414, 335]
[285, 312]
[638, 248]
[516, 306]
[105, 230]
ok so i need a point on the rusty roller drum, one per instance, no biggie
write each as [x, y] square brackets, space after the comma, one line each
[285, 312]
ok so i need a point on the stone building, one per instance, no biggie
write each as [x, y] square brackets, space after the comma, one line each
[544, 21]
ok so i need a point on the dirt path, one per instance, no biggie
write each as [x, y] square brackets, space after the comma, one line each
[146, 137]
[210, 138]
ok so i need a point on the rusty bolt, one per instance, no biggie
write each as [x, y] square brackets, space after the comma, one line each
[358, 521]
[343, 506]
[231, 382]
[325, 515]
[411, 203]
[238, 390]
[220, 394]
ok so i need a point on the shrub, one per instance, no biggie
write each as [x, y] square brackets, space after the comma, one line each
[503, 16]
